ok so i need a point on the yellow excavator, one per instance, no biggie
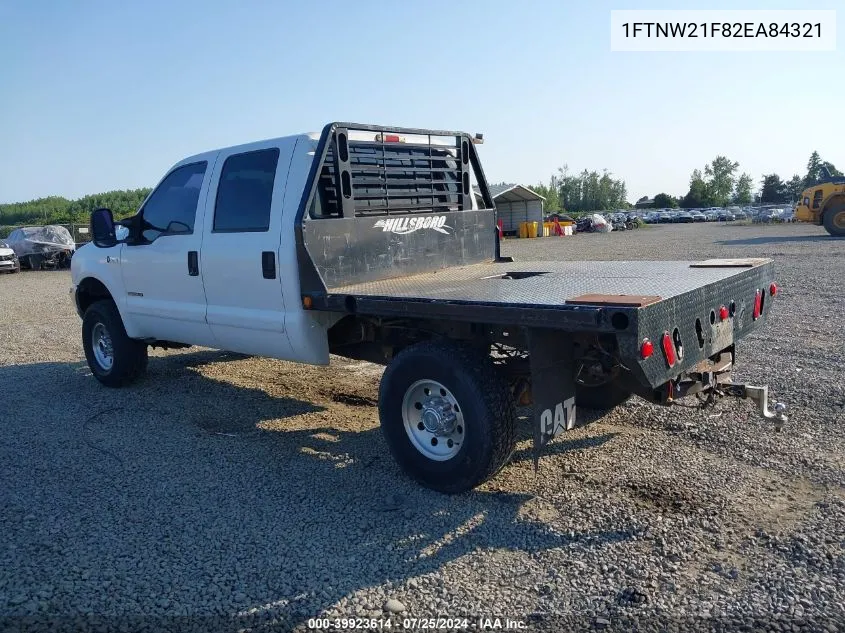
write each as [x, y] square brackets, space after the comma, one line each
[824, 204]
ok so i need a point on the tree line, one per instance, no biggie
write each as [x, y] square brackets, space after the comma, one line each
[59, 210]
[719, 185]
[585, 191]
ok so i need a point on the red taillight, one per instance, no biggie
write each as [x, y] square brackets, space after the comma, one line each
[647, 349]
[669, 349]
[758, 305]
[724, 313]
[389, 138]
[773, 289]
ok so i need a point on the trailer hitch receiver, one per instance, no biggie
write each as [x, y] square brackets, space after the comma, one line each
[760, 395]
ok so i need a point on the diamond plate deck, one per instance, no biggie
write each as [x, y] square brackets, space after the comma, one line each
[552, 284]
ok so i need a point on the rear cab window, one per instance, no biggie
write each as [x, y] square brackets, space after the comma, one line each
[245, 192]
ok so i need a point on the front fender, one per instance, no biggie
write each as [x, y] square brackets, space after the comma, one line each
[91, 262]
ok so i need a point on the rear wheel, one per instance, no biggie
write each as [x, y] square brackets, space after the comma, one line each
[447, 415]
[114, 358]
[834, 219]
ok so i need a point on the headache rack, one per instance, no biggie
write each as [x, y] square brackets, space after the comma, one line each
[376, 172]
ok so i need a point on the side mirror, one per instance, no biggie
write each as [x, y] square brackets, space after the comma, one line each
[102, 228]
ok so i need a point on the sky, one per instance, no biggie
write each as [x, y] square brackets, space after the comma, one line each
[99, 95]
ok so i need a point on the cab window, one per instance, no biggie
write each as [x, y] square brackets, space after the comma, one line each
[172, 207]
[245, 192]
[817, 198]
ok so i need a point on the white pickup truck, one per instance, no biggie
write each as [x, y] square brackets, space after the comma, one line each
[380, 244]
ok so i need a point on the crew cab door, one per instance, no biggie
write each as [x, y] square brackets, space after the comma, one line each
[240, 251]
[165, 297]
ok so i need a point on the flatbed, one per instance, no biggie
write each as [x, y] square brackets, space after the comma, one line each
[624, 298]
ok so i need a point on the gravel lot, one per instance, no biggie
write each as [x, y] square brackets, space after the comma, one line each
[257, 491]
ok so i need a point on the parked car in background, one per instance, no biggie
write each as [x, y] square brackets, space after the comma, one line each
[618, 221]
[634, 221]
[9, 262]
[768, 215]
[685, 217]
[38, 247]
[776, 215]
[698, 216]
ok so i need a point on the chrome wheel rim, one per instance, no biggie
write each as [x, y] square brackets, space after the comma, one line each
[102, 346]
[433, 420]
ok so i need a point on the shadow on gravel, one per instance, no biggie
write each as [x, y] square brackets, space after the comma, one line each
[560, 446]
[195, 359]
[273, 512]
[779, 239]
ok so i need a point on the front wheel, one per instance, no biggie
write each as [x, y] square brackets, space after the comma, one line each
[447, 415]
[114, 358]
[834, 220]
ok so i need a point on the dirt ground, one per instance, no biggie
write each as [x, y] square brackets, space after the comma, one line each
[223, 486]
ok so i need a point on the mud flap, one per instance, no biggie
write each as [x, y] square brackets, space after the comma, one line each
[552, 385]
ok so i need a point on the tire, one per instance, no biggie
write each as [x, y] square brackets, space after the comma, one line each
[485, 415]
[601, 398]
[129, 357]
[834, 219]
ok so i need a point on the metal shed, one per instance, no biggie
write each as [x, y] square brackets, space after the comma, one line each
[516, 204]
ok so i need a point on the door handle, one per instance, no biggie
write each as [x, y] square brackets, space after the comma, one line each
[193, 264]
[268, 264]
